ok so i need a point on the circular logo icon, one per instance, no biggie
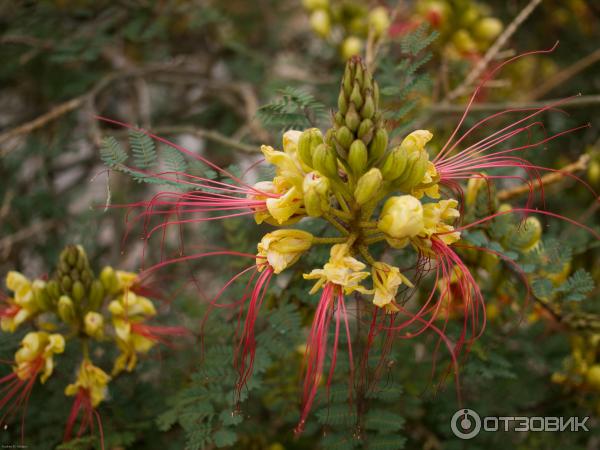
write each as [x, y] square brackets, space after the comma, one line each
[465, 424]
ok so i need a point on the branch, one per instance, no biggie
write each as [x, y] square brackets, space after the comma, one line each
[493, 50]
[551, 178]
[583, 100]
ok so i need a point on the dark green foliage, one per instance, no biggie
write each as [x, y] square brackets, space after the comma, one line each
[296, 109]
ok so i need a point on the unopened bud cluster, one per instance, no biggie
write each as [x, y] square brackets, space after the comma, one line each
[76, 307]
[350, 21]
[346, 176]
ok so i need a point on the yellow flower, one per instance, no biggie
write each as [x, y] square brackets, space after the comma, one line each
[94, 324]
[316, 194]
[284, 207]
[280, 210]
[435, 218]
[36, 353]
[287, 164]
[22, 306]
[429, 185]
[130, 344]
[125, 279]
[131, 305]
[401, 219]
[342, 269]
[386, 281]
[474, 185]
[416, 141]
[92, 379]
[282, 248]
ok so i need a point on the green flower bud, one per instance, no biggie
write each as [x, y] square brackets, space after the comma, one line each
[368, 186]
[365, 131]
[376, 94]
[357, 157]
[338, 118]
[379, 21]
[394, 164]
[93, 323]
[378, 145]
[66, 283]
[308, 141]
[352, 119]
[347, 81]
[356, 96]
[41, 296]
[78, 291]
[351, 46]
[108, 277]
[321, 22]
[66, 309]
[342, 103]
[96, 295]
[329, 137]
[316, 194]
[488, 29]
[415, 174]
[528, 235]
[463, 42]
[344, 137]
[53, 290]
[368, 109]
[325, 161]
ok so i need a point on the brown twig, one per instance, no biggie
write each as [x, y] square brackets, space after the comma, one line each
[565, 74]
[551, 178]
[7, 242]
[482, 64]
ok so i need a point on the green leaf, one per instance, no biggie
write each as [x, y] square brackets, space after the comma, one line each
[384, 421]
[224, 437]
[111, 152]
[577, 286]
[143, 149]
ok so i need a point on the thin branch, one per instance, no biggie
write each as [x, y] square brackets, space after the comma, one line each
[493, 50]
[551, 178]
[207, 134]
[578, 102]
[565, 74]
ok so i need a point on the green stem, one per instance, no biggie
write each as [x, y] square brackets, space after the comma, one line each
[329, 240]
[332, 220]
[367, 224]
[341, 214]
[374, 239]
[364, 251]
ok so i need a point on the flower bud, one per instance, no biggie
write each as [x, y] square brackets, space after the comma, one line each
[415, 174]
[66, 283]
[66, 309]
[378, 145]
[394, 164]
[356, 97]
[53, 290]
[416, 140]
[40, 295]
[357, 157]
[307, 142]
[488, 29]
[368, 186]
[109, 280]
[379, 21]
[344, 137]
[321, 22]
[463, 41]
[312, 5]
[351, 46]
[342, 102]
[93, 323]
[352, 118]
[325, 161]
[78, 291]
[365, 130]
[316, 194]
[96, 295]
[282, 248]
[528, 235]
[401, 218]
[368, 109]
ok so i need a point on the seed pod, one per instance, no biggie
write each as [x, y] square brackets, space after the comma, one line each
[325, 161]
[66, 309]
[357, 157]
[368, 185]
[307, 142]
[78, 291]
[344, 137]
[96, 295]
[378, 145]
[394, 164]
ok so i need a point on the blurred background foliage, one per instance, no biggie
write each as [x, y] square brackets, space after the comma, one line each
[222, 77]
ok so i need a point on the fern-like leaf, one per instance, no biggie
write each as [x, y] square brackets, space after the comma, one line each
[143, 149]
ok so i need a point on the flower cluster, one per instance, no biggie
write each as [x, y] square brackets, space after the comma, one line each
[378, 199]
[352, 20]
[72, 304]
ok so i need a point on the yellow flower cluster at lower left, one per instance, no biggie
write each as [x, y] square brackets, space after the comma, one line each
[36, 354]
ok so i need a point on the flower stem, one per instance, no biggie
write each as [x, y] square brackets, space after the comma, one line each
[333, 221]
[329, 240]
[364, 251]
[374, 239]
